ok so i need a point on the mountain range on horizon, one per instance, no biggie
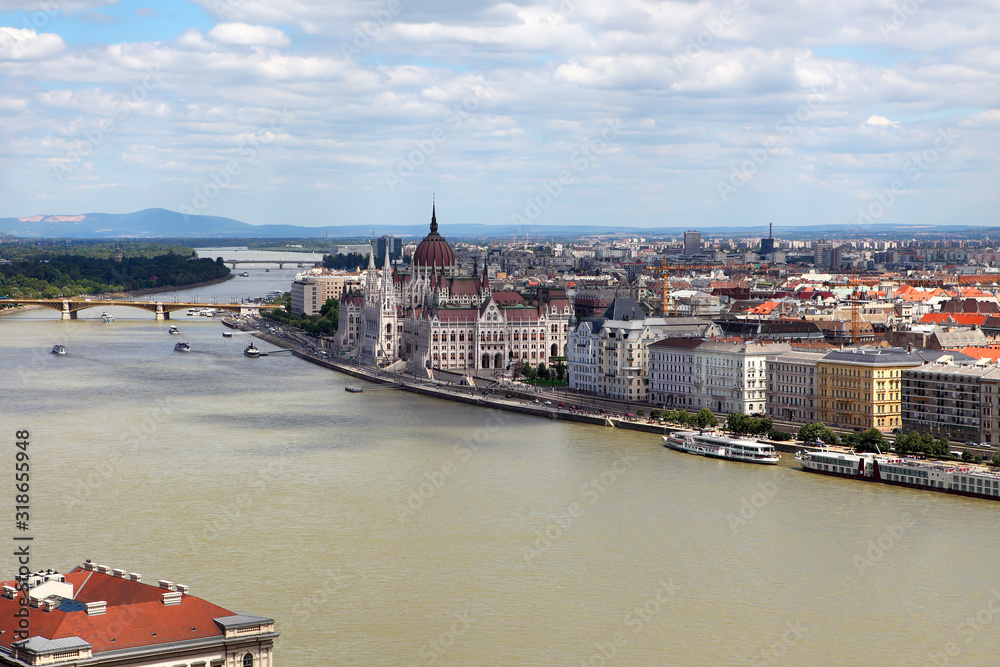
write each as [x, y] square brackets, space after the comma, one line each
[161, 223]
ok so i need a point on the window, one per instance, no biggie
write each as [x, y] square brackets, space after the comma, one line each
[248, 660]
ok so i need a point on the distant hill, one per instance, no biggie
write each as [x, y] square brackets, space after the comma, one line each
[161, 223]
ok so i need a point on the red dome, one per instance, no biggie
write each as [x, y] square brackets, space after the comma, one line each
[434, 250]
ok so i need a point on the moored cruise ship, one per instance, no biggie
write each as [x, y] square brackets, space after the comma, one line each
[715, 445]
[962, 479]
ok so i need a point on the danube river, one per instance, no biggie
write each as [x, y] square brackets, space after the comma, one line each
[386, 528]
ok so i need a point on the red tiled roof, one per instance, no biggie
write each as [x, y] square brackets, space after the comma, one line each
[968, 319]
[982, 352]
[507, 298]
[135, 616]
[457, 314]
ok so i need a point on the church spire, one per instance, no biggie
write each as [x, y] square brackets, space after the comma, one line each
[486, 275]
[434, 217]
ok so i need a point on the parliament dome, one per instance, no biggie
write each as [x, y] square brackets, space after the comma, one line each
[434, 251]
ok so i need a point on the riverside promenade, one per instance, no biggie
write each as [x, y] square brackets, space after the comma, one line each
[509, 399]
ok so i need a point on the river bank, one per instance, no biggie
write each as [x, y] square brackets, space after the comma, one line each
[18, 309]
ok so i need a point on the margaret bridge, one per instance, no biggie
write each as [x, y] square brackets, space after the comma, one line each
[70, 307]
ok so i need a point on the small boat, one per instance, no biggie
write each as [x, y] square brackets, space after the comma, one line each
[182, 347]
[108, 319]
[717, 446]
[58, 349]
[227, 334]
[105, 315]
[251, 351]
[173, 330]
[245, 274]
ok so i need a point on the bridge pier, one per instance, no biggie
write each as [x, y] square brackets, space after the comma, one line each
[160, 313]
[67, 314]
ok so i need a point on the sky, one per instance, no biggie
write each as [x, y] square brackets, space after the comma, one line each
[558, 112]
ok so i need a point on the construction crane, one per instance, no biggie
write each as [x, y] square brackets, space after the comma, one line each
[855, 320]
[663, 273]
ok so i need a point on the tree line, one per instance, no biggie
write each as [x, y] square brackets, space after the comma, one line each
[73, 275]
[323, 324]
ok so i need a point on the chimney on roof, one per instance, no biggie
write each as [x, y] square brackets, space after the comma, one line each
[172, 598]
[103, 569]
[183, 588]
[166, 585]
[136, 577]
[89, 565]
[96, 608]
[120, 574]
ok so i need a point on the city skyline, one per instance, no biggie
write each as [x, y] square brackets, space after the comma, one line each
[717, 114]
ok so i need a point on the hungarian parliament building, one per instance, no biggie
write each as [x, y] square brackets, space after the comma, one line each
[433, 318]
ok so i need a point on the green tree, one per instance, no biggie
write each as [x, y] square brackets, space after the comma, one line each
[640, 413]
[560, 371]
[737, 422]
[656, 413]
[813, 433]
[967, 455]
[871, 440]
[996, 458]
[542, 372]
[705, 419]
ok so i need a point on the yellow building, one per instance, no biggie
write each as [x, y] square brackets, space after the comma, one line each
[859, 388]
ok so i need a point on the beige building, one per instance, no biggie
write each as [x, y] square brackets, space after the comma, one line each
[311, 290]
[860, 388]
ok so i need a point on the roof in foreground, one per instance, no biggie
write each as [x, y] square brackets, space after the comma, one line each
[136, 615]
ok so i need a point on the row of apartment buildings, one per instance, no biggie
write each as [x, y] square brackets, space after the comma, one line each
[688, 365]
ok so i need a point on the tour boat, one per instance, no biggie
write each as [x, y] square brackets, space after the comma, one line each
[718, 446]
[58, 349]
[251, 351]
[947, 477]
[182, 347]
[173, 330]
[227, 334]
[108, 318]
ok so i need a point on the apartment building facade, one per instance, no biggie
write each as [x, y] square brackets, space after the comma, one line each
[310, 291]
[719, 375]
[792, 386]
[860, 388]
[946, 400]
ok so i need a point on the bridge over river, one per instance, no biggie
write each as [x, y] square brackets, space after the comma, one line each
[70, 307]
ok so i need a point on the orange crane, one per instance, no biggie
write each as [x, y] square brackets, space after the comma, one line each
[855, 321]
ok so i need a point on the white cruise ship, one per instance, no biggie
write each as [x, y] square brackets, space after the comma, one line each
[719, 446]
[959, 478]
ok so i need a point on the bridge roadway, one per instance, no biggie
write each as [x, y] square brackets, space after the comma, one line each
[301, 264]
[70, 307]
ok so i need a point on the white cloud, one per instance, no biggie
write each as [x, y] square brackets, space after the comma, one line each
[881, 121]
[244, 34]
[26, 44]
